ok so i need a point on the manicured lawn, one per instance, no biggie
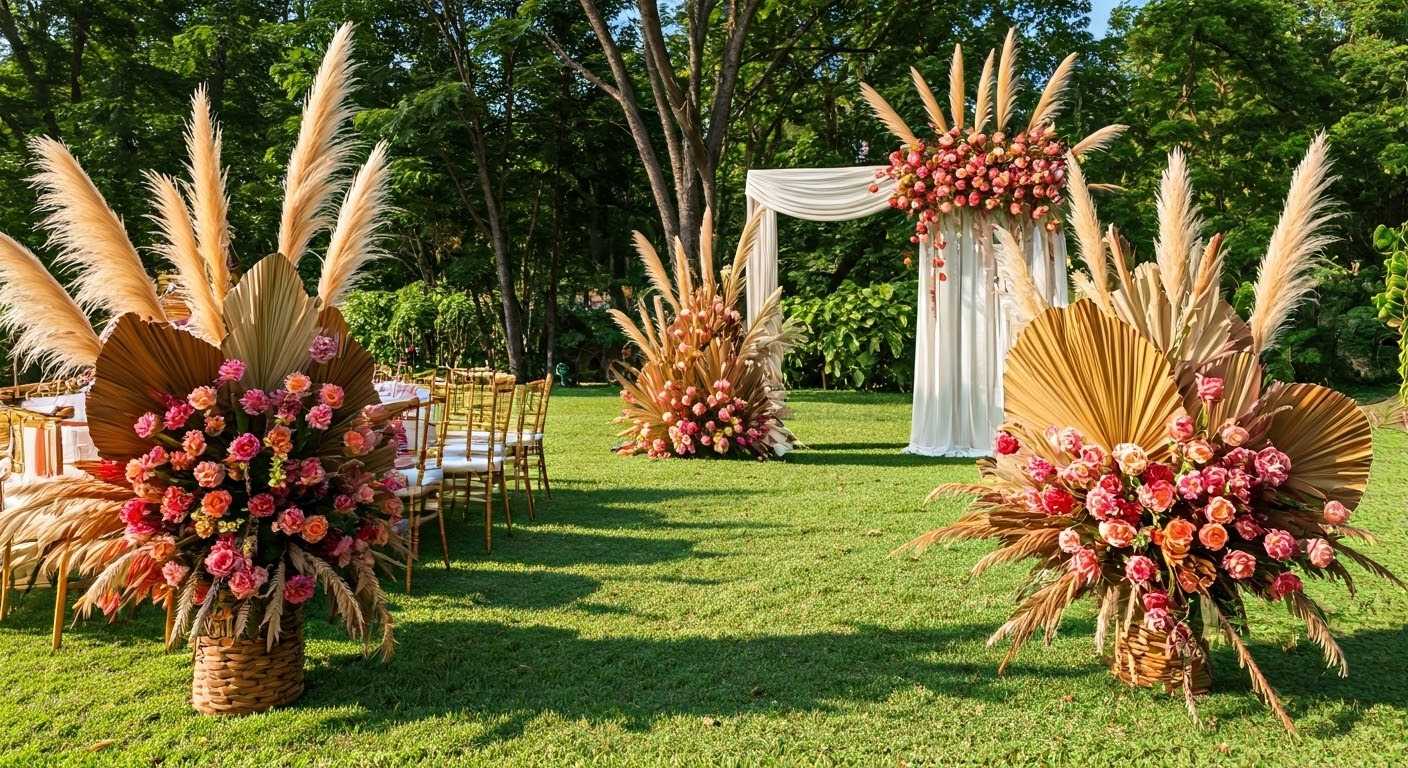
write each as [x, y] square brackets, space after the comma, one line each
[735, 613]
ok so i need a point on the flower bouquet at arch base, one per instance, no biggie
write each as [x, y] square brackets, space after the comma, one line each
[1145, 461]
[242, 462]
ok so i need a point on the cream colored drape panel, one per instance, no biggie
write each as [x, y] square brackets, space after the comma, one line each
[962, 333]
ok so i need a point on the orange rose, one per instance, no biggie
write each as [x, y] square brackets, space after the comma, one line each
[1220, 510]
[280, 438]
[163, 548]
[1180, 531]
[1213, 536]
[315, 528]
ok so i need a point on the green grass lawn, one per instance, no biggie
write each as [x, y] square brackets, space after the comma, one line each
[679, 612]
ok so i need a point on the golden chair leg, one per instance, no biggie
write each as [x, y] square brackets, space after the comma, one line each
[508, 508]
[170, 616]
[528, 489]
[412, 525]
[444, 541]
[543, 472]
[488, 516]
[5, 576]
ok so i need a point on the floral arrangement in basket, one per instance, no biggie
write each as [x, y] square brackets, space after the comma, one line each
[242, 462]
[1019, 174]
[706, 385]
[1143, 461]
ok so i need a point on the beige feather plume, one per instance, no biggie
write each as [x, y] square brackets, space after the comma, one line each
[177, 244]
[1284, 279]
[1086, 225]
[659, 276]
[1179, 228]
[47, 326]
[209, 203]
[355, 238]
[888, 115]
[1008, 80]
[1027, 301]
[321, 151]
[983, 105]
[90, 237]
[706, 253]
[956, 87]
[1053, 98]
[931, 102]
[1099, 141]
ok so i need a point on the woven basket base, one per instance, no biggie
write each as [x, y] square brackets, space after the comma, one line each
[242, 677]
[1143, 659]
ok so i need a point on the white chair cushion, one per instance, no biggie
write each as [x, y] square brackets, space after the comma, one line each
[456, 447]
[525, 438]
[415, 484]
[475, 464]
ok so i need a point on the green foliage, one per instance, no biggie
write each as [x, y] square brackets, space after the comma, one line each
[857, 337]
[420, 327]
[588, 341]
[1393, 244]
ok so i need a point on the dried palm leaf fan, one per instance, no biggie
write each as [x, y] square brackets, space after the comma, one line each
[265, 320]
[971, 170]
[1142, 460]
[706, 385]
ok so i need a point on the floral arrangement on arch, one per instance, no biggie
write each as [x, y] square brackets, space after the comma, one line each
[987, 165]
[1143, 460]
[706, 385]
[243, 465]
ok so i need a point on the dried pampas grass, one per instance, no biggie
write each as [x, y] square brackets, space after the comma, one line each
[209, 204]
[355, 238]
[60, 338]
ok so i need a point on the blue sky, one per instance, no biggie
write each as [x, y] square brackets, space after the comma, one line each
[1100, 15]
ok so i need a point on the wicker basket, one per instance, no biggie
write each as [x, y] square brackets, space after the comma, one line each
[241, 676]
[1143, 658]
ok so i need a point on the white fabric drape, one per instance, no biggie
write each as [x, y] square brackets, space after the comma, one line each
[958, 370]
[813, 194]
[962, 334]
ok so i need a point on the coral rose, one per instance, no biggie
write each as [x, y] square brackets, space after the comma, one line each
[1280, 544]
[1086, 563]
[280, 439]
[1181, 428]
[1131, 458]
[331, 395]
[214, 425]
[291, 520]
[1213, 536]
[1157, 496]
[1069, 541]
[1118, 533]
[216, 503]
[1239, 564]
[1319, 552]
[1219, 510]
[1198, 451]
[297, 383]
[202, 398]
[314, 529]
[209, 474]
[1336, 513]
[1180, 531]
[1233, 435]
[194, 442]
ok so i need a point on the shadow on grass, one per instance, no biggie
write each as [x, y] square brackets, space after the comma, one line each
[513, 674]
[869, 455]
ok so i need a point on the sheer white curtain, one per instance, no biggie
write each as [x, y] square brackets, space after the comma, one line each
[962, 333]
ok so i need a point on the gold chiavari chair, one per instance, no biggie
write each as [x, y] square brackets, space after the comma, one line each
[525, 439]
[425, 479]
[487, 401]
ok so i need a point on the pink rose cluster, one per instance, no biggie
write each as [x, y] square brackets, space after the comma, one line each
[700, 420]
[1022, 175]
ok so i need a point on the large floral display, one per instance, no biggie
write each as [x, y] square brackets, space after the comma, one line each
[1145, 462]
[242, 462]
[706, 386]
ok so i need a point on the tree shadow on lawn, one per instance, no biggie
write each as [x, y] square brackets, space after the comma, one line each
[512, 674]
[870, 455]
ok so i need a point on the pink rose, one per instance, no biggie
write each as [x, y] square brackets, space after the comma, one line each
[1131, 458]
[246, 583]
[1213, 536]
[1285, 584]
[1280, 544]
[1039, 469]
[392, 506]
[1214, 480]
[1158, 620]
[1078, 474]
[202, 398]
[174, 573]
[1069, 541]
[323, 350]
[1219, 510]
[1157, 496]
[231, 370]
[1233, 435]
[1139, 569]
[1181, 428]
[174, 504]
[331, 395]
[245, 447]
[254, 402]
[1239, 564]
[209, 474]
[364, 494]
[1057, 501]
[344, 503]
[1102, 504]
[1085, 563]
[297, 383]
[1190, 486]
[291, 520]
[311, 472]
[1070, 441]
[1209, 388]
[1118, 533]
[194, 442]
[1005, 444]
[393, 481]
[299, 589]
[1272, 466]
[1319, 552]
[1095, 456]
[1155, 598]
[155, 457]
[1247, 528]
[261, 505]
[1198, 451]
[177, 416]
[146, 425]
[320, 417]
[224, 559]
[1336, 513]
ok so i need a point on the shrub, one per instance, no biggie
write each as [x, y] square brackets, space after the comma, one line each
[857, 337]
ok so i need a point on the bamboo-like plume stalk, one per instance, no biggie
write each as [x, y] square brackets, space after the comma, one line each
[1099, 141]
[354, 240]
[931, 103]
[1008, 80]
[47, 326]
[1027, 301]
[888, 115]
[984, 103]
[90, 237]
[956, 87]
[178, 245]
[209, 204]
[322, 148]
[1053, 97]
[1179, 227]
[1086, 224]
[1283, 280]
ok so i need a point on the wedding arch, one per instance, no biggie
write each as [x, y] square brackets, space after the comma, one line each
[962, 331]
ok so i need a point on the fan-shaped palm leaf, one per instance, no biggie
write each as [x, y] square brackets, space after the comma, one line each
[1326, 436]
[272, 323]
